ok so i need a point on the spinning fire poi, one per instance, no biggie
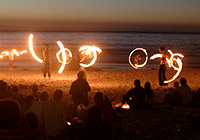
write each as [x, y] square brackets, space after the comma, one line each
[170, 61]
[88, 52]
[11, 55]
[62, 49]
[137, 58]
[174, 58]
[66, 58]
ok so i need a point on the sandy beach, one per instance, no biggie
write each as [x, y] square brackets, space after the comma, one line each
[114, 84]
[162, 122]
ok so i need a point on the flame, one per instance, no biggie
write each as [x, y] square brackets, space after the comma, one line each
[31, 49]
[136, 66]
[87, 51]
[170, 62]
[126, 106]
[156, 56]
[23, 52]
[5, 53]
[178, 71]
[63, 56]
[13, 52]
[68, 123]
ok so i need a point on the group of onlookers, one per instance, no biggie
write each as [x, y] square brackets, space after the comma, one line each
[179, 95]
[139, 97]
[37, 117]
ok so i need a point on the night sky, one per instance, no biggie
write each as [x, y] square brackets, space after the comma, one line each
[138, 15]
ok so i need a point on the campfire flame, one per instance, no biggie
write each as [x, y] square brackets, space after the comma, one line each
[126, 106]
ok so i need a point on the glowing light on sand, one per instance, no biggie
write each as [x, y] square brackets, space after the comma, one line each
[170, 62]
[32, 51]
[88, 51]
[64, 62]
[126, 106]
[136, 66]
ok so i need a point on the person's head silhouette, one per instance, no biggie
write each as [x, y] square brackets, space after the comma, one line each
[183, 81]
[58, 94]
[147, 86]
[176, 84]
[98, 98]
[11, 113]
[44, 96]
[81, 75]
[137, 83]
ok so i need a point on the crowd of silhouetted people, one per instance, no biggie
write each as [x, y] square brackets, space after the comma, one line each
[36, 117]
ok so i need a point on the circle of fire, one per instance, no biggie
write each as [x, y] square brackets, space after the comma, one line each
[87, 51]
[136, 66]
[64, 62]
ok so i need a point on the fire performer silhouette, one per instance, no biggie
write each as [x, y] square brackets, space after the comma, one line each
[47, 62]
[162, 68]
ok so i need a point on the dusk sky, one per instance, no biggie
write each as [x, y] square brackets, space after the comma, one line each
[133, 15]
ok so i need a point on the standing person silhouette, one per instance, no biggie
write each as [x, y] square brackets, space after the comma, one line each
[79, 90]
[47, 61]
[11, 60]
[162, 68]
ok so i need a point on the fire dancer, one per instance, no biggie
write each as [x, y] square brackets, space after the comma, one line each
[11, 60]
[47, 62]
[162, 68]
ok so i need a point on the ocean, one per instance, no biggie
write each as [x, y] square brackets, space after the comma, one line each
[116, 47]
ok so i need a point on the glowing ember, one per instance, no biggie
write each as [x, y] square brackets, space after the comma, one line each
[136, 66]
[170, 62]
[31, 49]
[68, 123]
[64, 62]
[126, 106]
[88, 51]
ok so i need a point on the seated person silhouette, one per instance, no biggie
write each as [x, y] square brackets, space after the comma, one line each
[173, 96]
[149, 94]
[135, 97]
[185, 92]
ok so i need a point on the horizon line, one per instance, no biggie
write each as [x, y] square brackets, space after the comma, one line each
[98, 31]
